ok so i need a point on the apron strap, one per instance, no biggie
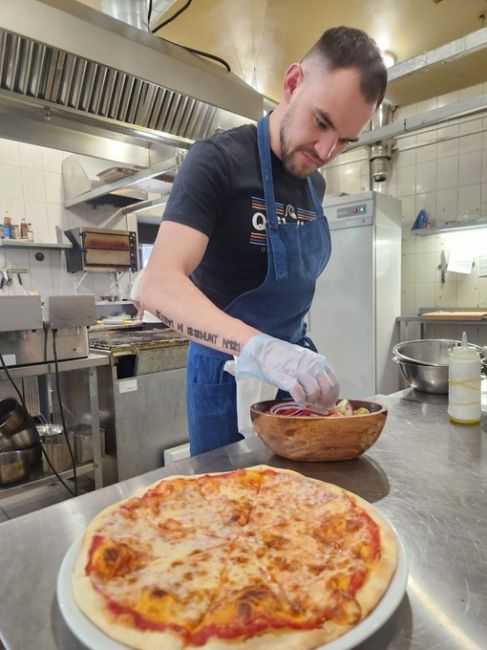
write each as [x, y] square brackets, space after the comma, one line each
[315, 200]
[273, 238]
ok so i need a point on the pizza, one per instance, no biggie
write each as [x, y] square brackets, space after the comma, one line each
[258, 557]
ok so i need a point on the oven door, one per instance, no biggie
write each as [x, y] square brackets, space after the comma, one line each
[106, 249]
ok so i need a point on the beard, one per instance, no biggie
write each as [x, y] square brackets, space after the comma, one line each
[288, 153]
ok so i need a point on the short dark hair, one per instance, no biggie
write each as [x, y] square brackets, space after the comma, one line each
[347, 47]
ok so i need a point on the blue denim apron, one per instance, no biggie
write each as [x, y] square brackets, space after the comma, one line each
[296, 255]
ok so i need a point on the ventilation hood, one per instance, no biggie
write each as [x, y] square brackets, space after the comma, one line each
[76, 79]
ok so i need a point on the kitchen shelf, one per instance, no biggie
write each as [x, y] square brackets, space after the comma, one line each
[18, 243]
[477, 225]
[39, 478]
[37, 369]
[90, 364]
[146, 180]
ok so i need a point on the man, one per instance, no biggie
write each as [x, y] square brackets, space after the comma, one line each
[244, 238]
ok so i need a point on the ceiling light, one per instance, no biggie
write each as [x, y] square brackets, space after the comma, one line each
[389, 58]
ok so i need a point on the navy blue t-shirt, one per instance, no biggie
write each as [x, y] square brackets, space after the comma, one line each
[219, 192]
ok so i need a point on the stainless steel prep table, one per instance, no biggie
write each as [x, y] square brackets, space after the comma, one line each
[427, 476]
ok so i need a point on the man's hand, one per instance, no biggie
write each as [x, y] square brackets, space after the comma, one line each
[303, 373]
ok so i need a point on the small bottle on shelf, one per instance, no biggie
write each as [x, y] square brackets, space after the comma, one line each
[7, 226]
[24, 229]
[30, 232]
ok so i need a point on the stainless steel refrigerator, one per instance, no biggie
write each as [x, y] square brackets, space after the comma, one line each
[352, 320]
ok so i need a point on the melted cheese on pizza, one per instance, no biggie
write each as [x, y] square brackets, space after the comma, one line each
[234, 555]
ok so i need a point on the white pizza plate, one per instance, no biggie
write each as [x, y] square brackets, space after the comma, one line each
[92, 637]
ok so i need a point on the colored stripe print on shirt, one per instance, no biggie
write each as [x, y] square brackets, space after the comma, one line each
[285, 214]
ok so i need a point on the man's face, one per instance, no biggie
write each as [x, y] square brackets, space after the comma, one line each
[325, 110]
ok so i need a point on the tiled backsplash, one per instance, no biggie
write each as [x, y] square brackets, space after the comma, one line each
[31, 187]
[444, 171]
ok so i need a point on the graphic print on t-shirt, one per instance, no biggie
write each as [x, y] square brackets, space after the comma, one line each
[285, 214]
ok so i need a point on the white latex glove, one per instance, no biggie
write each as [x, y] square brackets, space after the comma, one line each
[299, 371]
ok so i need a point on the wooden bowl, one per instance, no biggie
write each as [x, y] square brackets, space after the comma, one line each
[318, 438]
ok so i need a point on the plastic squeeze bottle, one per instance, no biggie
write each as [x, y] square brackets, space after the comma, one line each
[464, 384]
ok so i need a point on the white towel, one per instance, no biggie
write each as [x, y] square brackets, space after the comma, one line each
[249, 391]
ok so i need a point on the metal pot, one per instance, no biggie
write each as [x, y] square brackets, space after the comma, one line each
[13, 466]
[56, 448]
[33, 455]
[13, 417]
[6, 444]
[82, 437]
[24, 439]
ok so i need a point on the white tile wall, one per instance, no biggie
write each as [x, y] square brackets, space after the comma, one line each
[444, 171]
[31, 188]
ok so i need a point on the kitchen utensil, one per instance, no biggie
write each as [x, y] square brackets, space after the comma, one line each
[83, 443]
[12, 417]
[33, 455]
[13, 466]
[422, 377]
[318, 438]
[6, 444]
[443, 266]
[24, 439]
[55, 446]
[430, 352]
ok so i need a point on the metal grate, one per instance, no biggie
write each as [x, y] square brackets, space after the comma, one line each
[35, 70]
[30, 390]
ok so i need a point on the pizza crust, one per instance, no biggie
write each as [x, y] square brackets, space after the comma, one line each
[370, 595]
[92, 603]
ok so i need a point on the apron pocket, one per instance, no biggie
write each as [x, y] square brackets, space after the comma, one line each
[211, 404]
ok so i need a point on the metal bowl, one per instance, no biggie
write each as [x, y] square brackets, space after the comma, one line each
[428, 379]
[6, 444]
[14, 466]
[24, 439]
[318, 438]
[33, 455]
[12, 417]
[430, 352]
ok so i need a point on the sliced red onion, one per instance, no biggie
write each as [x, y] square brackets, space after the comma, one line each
[293, 409]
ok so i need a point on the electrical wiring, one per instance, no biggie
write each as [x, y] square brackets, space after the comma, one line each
[207, 55]
[149, 14]
[33, 425]
[169, 20]
[45, 342]
[61, 411]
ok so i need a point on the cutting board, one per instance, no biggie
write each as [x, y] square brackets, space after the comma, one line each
[455, 315]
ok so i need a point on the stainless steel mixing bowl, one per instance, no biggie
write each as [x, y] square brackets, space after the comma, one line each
[430, 352]
[429, 379]
[14, 466]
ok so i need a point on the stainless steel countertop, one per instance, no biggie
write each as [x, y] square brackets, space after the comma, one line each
[426, 475]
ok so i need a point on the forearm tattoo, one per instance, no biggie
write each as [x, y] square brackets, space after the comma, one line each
[201, 335]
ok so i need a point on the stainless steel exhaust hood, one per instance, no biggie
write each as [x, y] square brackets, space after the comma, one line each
[70, 74]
